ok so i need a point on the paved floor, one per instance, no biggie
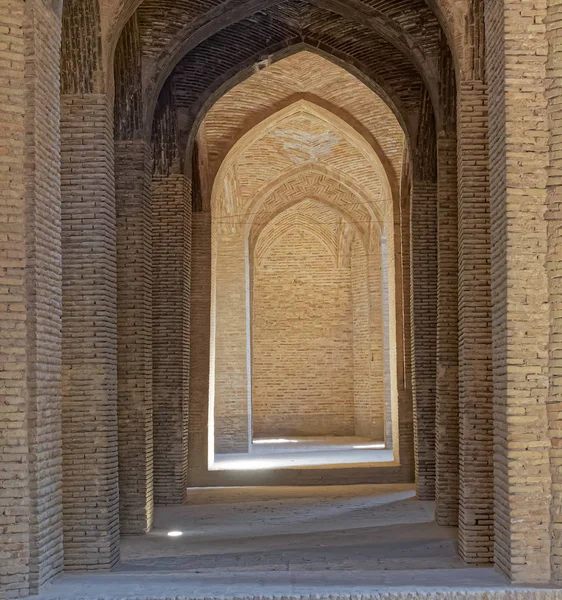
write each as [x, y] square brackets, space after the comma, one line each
[326, 542]
[269, 453]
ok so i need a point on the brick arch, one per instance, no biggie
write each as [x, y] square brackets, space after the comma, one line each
[317, 113]
[357, 22]
[202, 86]
[284, 223]
[264, 218]
[413, 26]
[374, 141]
[405, 118]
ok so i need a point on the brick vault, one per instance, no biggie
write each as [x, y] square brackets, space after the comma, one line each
[226, 219]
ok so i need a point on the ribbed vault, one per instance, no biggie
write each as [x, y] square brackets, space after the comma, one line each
[307, 76]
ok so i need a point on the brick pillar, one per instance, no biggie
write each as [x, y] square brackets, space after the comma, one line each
[133, 172]
[554, 265]
[377, 322]
[90, 465]
[423, 239]
[405, 401]
[516, 53]
[232, 432]
[171, 209]
[200, 340]
[30, 291]
[447, 395]
[476, 487]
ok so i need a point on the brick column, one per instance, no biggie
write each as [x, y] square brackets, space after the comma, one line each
[171, 209]
[423, 239]
[405, 401]
[447, 395]
[200, 339]
[30, 291]
[378, 321]
[516, 53]
[554, 265]
[476, 488]
[91, 495]
[232, 431]
[133, 172]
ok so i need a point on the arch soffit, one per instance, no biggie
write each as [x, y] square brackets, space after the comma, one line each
[256, 228]
[406, 118]
[260, 115]
[283, 226]
[226, 14]
[336, 178]
[307, 108]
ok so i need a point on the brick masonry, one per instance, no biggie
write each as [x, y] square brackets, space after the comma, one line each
[69, 244]
[447, 353]
[171, 229]
[518, 138]
[475, 328]
[89, 347]
[133, 173]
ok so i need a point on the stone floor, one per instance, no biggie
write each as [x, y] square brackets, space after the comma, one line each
[271, 453]
[368, 541]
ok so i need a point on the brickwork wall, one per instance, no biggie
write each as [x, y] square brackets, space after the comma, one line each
[515, 64]
[171, 210]
[200, 311]
[475, 328]
[378, 323]
[232, 375]
[554, 215]
[423, 252]
[133, 169]
[404, 327]
[44, 292]
[361, 340]
[302, 340]
[89, 349]
[447, 395]
[15, 510]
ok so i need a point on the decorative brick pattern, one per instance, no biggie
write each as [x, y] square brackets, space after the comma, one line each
[515, 65]
[89, 349]
[133, 170]
[171, 229]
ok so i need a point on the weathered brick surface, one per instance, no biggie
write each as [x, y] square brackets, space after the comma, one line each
[15, 510]
[447, 395]
[43, 199]
[518, 135]
[423, 236]
[133, 171]
[475, 328]
[554, 214]
[171, 228]
[89, 349]
[508, 259]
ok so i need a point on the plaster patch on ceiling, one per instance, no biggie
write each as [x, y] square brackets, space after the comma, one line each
[302, 146]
